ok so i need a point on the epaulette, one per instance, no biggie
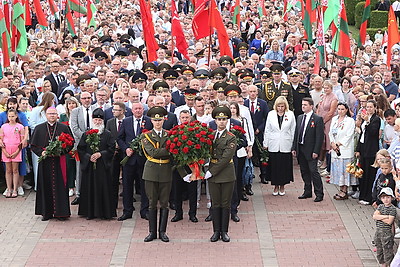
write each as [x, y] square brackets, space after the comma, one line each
[268, 82]
[231, 134]
[286, 83]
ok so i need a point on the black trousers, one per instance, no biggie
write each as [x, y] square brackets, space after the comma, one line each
[115, 171]
[367, 179]
[131, 174]
[181, 187]
[310, 174]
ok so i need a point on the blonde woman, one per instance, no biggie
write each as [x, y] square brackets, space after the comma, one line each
[124, 87]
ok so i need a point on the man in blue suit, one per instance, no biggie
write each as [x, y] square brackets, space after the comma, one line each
[131, 128]
[259, 111]
[117, 97]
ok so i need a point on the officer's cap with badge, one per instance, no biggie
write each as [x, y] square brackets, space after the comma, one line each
[202, 74]
[221, 112]
[79, 55]
[122, 52]
[82, 78]
[163, 67]
[100, 55]
[294, 73]
[139, 77]
[160, 85]
[265, 74]
[232, 90]
[243, 46]
[276, 67]
[247, 75]
[157, 113]
[190, 93]
[187, 70]
[149, 67]
[98, 113]
[170, 74]
[218, 73]
[220, 87]
[226, 60]
[177, 67]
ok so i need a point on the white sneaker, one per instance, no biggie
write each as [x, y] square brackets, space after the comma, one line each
[5, 192]
[356, 195]
[26, 186]
[208, 205]
[71, 192]
[362, 202]
[20, 191]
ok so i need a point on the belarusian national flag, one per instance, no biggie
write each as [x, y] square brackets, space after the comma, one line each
[77, 7]
[19, 40]
[341, 39]
[147, 22]
[261, 9]
[331, 13]
[320, 42]
[5, 39]
[91, 10]
[236, 13]
[41, 17]
[364, 22]
[70, 19]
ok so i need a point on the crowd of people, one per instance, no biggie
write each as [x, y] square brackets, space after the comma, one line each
[345, 112]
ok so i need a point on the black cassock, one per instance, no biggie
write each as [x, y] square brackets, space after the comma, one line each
[52, 192]
[95, 195]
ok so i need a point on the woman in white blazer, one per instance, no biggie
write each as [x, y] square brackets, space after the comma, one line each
[341, 135]
[278, 139]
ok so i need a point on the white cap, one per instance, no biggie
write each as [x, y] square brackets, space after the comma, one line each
[387, 191]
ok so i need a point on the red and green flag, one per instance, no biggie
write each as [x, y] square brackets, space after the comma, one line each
[309, 19]
[236, 13]
[77, 7]
[320, 60]
[70, 19]
[261, 9]
[177, 32]
[19, 40]
[53, 7]
[364, 23]
[331, 13]
[7, 14]
[341, 38]
[91, 10]
[5, 39]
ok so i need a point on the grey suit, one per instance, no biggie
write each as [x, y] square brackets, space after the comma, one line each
[78, 127]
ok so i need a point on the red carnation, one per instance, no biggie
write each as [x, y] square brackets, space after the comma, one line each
[210, 130]
[197, 128]
[197, 146]
[175, 151]
[185, 150]
[204, 124]
[198, 135]
[190, 143]
[168, 142]
[64, 145]
[209, 142]
[172, 145]
[176, 139]
[181, 126]
[178, 144]
[203, 132]
[181, 132]
[201, 161]
[174, 132]
[190, 129]
[184, 137]
[202, 139]
[211, 136]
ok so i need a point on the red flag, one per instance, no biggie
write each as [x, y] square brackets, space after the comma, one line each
[53, 7]
[177, 32]
[285, 10]
[5, 39]
[147, 23]
[28, 18]
[41, 17]
[393, 35]
[7, 14]
[200, 23]
[216, 22]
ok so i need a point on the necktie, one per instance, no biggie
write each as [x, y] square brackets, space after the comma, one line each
[252, 107]
[216, 137]
[87, 119]
[119, 125]
[302, 125]
[160, 134]
[190, 110]
[140, 97]
[58, 78]
[137, 127]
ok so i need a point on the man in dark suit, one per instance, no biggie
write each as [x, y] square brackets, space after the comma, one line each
[307, 145]
[169, 106]
[114, 125]
[117, 97]
[259, 111]
[55, 77]
[131, 128]
[178, 97]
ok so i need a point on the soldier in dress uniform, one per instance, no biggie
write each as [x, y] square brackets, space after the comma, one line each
[150, 70]
[188, 72]
[227, 62]
[219, 87]
[299, 90]
[221, 174]
[277, 87]
[157, 173]
[243, 52]
[218, 75]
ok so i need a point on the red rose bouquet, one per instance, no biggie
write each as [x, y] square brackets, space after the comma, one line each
[93, 140]
[190, 144]
[58, 147]
[239, 134]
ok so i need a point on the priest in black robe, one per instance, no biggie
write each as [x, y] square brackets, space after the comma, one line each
[96, 182]
[52, 190]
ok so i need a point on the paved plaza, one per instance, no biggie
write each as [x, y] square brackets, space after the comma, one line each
[273, 231]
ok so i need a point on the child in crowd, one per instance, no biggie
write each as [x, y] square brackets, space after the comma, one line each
[11, 134]
[385, 179]
[384, 217]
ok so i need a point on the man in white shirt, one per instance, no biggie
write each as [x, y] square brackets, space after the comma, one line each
[190, 95]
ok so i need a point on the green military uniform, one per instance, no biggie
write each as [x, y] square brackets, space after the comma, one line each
[157, 175]
[269, 92]
[242, 47]
[222, 181]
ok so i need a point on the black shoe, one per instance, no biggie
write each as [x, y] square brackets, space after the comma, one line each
[145, 216]
[235, 218]
[225, 237]
[124, 217]
[193, 218]
[163, 236]
[150, 237]
[264, 180]
[244, 197]
[75, 201]
[89, 218]
[248, 189]
[215, 237]
[177, 218]
[304, 196]
[62, 218]
[46, 218]
[318, 199]
[209, 218]
[172, 206]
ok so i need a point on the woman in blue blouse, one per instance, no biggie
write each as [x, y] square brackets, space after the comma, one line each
[275, 54]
